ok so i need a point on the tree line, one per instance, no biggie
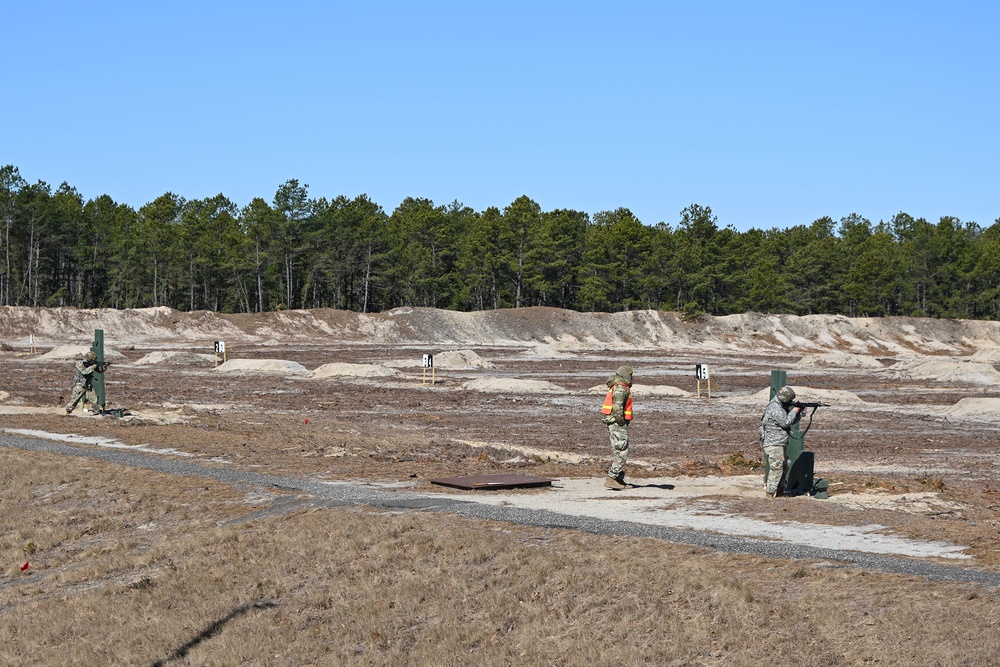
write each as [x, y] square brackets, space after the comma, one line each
[58, 249]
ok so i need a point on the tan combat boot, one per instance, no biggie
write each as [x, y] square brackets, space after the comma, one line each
[612, 483]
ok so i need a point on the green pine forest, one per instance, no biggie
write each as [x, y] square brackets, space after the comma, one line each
[298, 251]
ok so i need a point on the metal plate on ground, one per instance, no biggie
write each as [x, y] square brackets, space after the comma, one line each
[493, 482]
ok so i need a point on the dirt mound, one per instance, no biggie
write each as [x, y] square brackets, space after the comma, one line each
[263, 366]
[559, 330]
[76, 352]
[67, 325]
[835, 397]
[354, 370]
[840, 360]
[639, 390]
[977, 408]
[177, 358]
[547, 352]
[461, 359]
[947, 370]
[988, 356]
[507, 385]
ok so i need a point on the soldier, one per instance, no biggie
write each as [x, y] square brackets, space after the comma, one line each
[82, 382]
[775, 425]
[617, 414]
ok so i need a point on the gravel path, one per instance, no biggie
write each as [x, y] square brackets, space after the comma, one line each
[356, 494]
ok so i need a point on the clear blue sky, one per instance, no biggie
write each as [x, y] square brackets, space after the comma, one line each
[771, 113]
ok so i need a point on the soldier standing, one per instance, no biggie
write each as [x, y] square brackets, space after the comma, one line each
[775, 426]
[617, 414]
[82, 382]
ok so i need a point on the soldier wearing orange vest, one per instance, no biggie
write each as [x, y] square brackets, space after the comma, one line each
[617, 413]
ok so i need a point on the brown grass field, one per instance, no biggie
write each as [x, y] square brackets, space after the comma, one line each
[130, 567]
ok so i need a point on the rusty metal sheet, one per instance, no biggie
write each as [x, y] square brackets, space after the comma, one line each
[493, 482]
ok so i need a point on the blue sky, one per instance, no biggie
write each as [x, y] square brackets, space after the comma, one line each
[771, 113]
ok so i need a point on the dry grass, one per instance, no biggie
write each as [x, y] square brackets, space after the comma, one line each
[131, 567]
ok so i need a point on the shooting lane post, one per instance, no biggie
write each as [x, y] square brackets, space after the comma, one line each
[799, 473]
[701, 373]
[428, 363]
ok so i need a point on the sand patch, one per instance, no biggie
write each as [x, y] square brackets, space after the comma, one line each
[511, 385]
[987, 356]
[946, 370]
[461, 359]
[659, 502]
[177, 358]
[77, 352]
[548, 352]
[841, 360]
[354, 370]
[835, 397]
[263, 366]
[523, 453]
[640, 390]
[975, 408]
[99, 441]
[452, 360]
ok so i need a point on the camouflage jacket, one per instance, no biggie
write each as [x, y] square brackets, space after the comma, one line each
[84, 373]
[776, 424]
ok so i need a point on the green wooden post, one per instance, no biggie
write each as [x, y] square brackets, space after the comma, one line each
[97, 381]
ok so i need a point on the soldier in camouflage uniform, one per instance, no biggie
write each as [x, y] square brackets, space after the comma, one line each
[82, 379]
[617, 413]
[775, 426]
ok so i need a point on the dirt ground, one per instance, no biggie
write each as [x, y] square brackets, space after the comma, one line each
[908, 453]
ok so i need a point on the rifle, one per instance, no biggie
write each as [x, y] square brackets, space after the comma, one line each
[101, 365]
[803, 406]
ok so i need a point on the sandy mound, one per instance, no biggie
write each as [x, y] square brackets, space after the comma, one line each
[500, 385]
[176, 358]
[840, 360]
[977, 408]
[547, 352]
[354, 370]
[76, 352]
[562, 330]
[461, 359]
[835, 397]
[264, 366]
[945, 370]
[639, 390]
[988, 356]
[453, 360]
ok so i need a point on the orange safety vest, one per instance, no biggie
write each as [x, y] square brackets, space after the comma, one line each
[608, 402]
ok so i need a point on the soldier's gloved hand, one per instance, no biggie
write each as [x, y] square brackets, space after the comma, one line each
[620, 421]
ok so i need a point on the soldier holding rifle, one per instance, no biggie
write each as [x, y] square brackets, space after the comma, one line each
[776, 424]
[83, 381]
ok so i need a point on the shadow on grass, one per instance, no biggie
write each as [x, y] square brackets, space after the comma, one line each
[214, 629]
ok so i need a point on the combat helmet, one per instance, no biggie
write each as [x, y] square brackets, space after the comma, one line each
[786, 394]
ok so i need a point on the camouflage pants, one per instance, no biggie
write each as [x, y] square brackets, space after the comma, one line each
[79, 391]
[774, 472]
[619, 449]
